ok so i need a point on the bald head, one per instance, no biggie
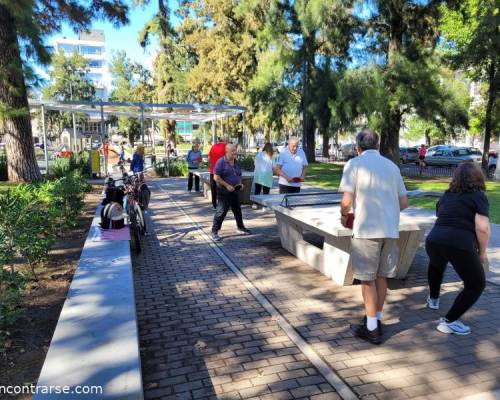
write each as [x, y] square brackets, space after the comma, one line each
[293, 144]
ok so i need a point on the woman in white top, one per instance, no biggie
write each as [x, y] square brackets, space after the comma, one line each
[263, 174]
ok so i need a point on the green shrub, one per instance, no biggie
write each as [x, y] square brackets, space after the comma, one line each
[175, 168]
[3, 167]
[27, 227]
[76, 162]
[247, 162]
[67, 195]
[12, 284]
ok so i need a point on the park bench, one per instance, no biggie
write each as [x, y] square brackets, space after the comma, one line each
[95, 342]
[319, 213]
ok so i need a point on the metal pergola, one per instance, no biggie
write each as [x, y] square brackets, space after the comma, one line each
[197, 113]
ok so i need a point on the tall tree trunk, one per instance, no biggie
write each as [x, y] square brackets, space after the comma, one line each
[493, 82]
[326, 141]
[310, 142]
[309, 122]
[427, 138]
[389, 141]
[14, 110]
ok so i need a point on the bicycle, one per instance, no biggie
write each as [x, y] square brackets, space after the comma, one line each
[134, 207]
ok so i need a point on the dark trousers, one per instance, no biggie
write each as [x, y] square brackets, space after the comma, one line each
[196, 181]
[213, 189]
[468, 267]
[259, 188]
[289, 189]
[225, 201]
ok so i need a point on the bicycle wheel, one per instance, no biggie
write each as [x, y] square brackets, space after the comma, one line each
[134, 232]
[141, 220]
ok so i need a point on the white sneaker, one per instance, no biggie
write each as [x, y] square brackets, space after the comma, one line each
[433, 303]
[457, 327]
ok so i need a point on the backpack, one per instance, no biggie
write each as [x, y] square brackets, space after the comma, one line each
[113, 194]
[107, 221]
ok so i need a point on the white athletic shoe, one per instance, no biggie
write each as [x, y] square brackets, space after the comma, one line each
[457, 327]
[433, 303]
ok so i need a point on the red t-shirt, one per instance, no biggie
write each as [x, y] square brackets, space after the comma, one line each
[217, 151]
[422, 152]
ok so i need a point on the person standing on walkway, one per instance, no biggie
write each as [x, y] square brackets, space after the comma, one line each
[373, 186]
[227, 175]
[460, 236]
[216, 152]
[263, 173]
[291, 167]
[137, 164]
[194, 159]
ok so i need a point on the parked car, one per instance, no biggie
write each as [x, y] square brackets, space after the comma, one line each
[431, 150]
[452, 156]
[408, 155]
[348, 151]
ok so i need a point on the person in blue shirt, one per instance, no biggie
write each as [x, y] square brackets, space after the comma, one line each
[137, 164]
[194, 159]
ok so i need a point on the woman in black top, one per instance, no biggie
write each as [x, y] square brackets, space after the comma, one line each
[460, 236]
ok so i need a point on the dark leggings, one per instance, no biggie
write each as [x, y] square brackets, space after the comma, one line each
[196, 181]
[213, 190]
[259, 188]
[468, 267]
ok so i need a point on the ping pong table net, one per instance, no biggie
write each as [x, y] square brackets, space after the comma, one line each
[322, 198]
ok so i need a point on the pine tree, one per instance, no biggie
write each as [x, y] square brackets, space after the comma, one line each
[26, 23]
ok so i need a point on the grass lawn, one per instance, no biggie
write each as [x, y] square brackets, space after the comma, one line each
[329, 175]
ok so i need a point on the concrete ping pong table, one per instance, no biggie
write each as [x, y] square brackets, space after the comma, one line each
[319, 212]
[246, 179]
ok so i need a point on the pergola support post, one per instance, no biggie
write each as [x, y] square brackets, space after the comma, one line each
[103, 138]
[45, 146]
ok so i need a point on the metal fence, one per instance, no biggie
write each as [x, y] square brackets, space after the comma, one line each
[426, 172]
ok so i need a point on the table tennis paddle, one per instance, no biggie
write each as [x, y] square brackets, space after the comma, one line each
[349, 222]
[238, 187]
[297, 179]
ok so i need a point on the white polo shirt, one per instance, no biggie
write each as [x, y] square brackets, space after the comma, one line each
[377, 186]
[291, 164]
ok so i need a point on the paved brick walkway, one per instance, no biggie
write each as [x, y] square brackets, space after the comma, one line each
[203, 334]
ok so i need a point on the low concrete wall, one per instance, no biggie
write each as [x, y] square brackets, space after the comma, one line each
[96, 338]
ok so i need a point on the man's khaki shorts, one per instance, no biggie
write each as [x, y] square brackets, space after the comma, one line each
[372, 258]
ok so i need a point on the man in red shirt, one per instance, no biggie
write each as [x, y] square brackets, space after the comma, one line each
[216, 151]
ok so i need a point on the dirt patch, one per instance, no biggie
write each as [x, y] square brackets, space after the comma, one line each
[42, 303]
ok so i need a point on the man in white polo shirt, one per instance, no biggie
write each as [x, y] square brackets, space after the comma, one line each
[372, 185]
[291, 167]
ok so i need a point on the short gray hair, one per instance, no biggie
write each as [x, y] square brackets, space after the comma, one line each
[367, 140]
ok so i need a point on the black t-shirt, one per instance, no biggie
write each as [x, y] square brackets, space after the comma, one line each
[455, 225]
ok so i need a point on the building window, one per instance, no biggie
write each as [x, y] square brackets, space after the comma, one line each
[95, 63]
[67, 48]
[91, 50]
[99, 93]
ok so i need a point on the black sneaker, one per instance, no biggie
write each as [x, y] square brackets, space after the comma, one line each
[362, 332]
[244, 231]
[379, 325]
[216, 237]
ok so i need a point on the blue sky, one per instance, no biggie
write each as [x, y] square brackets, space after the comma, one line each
[123, 38]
